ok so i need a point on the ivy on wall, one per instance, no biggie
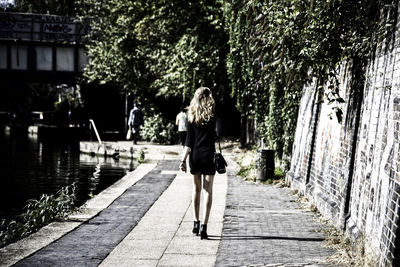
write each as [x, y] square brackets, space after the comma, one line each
[277, 47]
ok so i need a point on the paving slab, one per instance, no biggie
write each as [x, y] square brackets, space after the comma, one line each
[174, 260]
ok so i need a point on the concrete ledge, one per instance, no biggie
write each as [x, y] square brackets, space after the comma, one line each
[126, 149]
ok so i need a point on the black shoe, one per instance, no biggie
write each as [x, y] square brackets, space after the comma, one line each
[196, 227]
[203, 232]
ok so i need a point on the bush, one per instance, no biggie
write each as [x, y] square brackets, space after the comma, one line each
[156, 129]
[248, 165]
[38, 213]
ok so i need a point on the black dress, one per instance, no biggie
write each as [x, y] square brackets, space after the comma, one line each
[201, 140]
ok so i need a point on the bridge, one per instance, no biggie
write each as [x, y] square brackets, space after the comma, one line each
[41, 48]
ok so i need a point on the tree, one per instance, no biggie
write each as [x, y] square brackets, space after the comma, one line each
[53, 7]
[157, 48]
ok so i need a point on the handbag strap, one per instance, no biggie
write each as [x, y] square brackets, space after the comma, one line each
[219, 145]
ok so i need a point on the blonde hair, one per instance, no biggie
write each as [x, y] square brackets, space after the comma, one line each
[201, 109]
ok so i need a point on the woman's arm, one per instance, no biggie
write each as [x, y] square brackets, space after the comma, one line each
[182, 165]
[188, 147]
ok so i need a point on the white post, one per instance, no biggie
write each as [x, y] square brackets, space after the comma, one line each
[95, 130]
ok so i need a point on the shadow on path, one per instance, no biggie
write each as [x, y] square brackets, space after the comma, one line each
[260, 237]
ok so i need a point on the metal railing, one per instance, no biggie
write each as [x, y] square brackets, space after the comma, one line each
[95, 130]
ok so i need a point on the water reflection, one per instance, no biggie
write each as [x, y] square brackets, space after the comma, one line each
[30, 167]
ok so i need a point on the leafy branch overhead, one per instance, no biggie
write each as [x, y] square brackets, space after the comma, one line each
[156, 48]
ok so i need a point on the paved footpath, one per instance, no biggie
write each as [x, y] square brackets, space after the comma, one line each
[148, 221]
[163, 237]
[264, 226]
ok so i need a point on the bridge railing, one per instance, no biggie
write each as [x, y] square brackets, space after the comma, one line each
[42, 28]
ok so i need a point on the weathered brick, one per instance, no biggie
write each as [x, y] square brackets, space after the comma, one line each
[376, 148]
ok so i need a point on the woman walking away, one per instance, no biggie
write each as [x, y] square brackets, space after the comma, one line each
[200, 146]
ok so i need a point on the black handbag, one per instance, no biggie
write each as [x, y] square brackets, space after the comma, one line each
[219, 161]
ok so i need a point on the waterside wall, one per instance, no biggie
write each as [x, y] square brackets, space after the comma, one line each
[351, 169]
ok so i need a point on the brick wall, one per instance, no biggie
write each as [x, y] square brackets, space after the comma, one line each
[354, 173]
[320, 136]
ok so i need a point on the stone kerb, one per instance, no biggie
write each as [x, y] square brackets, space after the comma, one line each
[126, 149]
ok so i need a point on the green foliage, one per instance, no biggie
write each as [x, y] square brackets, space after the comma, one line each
[247, 164]
[141, 156]
[37, 214]
[158, 130]
[279, 173]
[156, 48]
[248, 172]
[277, 47]
[54, 7]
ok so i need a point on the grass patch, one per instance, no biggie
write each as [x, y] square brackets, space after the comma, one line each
[346, 252]
[248, 172]
[270, 181]
[278, 179]
[248, 169]
[38, 213]
[279, 174]
[247, 164]
[141, 157]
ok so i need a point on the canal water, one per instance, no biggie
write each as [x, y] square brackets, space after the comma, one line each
[30, 167]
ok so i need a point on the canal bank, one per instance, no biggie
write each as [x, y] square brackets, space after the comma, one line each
[31, 166]
[251, 224]
[13, 253]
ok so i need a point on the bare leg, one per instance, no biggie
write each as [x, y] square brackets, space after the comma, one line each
[196, 196]
[207, 189]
